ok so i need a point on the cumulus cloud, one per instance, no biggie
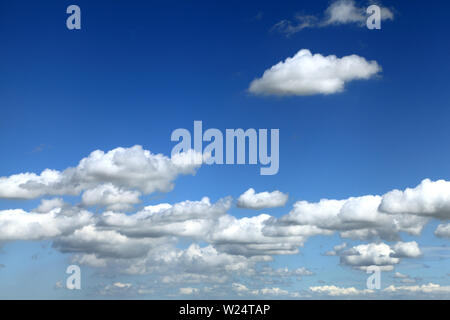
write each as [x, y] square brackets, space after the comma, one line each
[246, 236]
[263, 200]
[443, 231]
[428, 291]
[355, 218]
[307, 74]
[338, 291]
[241, 289]
[130, 168]
[339, 12]
[110, 197]
[104, 243]
[221, 248]
[407, 250]
[429, 288]
[29, 226]
[376, 254]
[286, 272]
[49, 204]
[366, 255]
[116, 288]
[429, 199]
[188, 218]
[188, 291]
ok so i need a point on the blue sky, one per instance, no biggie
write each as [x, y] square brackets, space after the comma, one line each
[138, 70]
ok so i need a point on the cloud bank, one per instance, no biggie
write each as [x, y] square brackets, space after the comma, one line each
[222, 248]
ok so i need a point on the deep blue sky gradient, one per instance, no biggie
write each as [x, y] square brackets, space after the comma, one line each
[137, 70]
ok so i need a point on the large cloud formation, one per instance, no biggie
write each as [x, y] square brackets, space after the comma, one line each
[223, 248]
[133, 168]
[307, 74]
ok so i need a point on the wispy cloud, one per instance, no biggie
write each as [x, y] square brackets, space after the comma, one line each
[338, 13]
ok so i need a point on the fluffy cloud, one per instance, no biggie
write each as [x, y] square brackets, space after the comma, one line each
[407, 250]
[356, 218]
[21, 225]
[338, 291]
[376, 254]
[443, 231]
[116, 288]
[130, 168]
[188, 218]
[188, 291]
[429, 199]
[338, 13]
[428, 289]
[222, 248]
[366, 255]
[285, 272]
[246, 236]
[241, 289]
[104, 243]
[307, 74]
[110, 197]
[263, 200]
[49, 204]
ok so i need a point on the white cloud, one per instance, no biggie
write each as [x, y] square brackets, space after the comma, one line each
[377, 254]
[130, 168]
[21, 225]
[231, 248]
[407, 250]
[356, 218]
[338, 291]
[285, 272]
[263, 200]
[246, 236]
[241, 289]
[429, 199]
[116, 288]
[273, 292]
[188, 218]
[105, 243]
[307, 74]
[188, 291]
[90, 260]
[339, 12]
[429, 288]
[346, 11]
[400, 275]
[49, 204]
[110, 197]
[122, 285]
[428, 291]
[366, 255]
[443, 231]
